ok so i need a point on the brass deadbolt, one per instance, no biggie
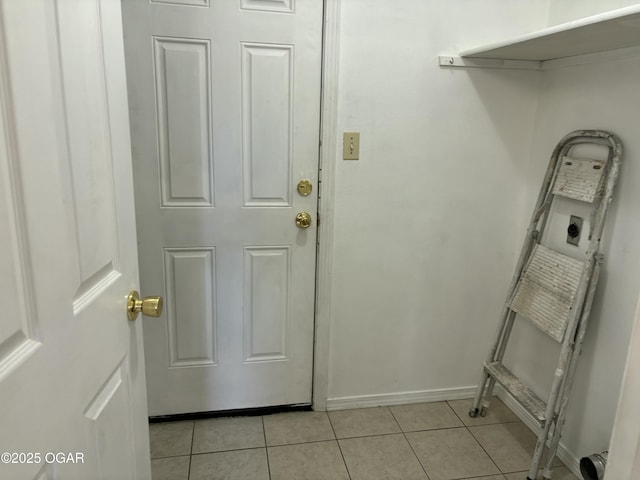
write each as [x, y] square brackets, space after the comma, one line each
[305, 187]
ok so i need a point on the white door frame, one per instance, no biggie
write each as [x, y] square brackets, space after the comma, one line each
[327, 164]
[624, 458]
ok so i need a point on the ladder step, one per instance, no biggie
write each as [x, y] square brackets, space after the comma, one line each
[580, 179]
[523, 395]
[547, 289]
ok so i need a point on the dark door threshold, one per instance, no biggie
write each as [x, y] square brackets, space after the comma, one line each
[241, 412]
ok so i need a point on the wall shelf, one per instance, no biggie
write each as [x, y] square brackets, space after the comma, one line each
[613, 30]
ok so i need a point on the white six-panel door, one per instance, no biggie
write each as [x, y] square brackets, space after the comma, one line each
[72, 393]
[224, 98]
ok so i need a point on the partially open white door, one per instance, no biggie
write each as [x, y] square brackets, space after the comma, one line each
[225, 111]
[72, 398]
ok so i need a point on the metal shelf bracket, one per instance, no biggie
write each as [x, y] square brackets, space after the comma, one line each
[452, 61]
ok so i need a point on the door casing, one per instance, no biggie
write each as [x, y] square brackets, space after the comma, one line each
[327, 162]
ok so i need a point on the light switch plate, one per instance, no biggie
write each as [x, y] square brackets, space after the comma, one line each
[351, 146]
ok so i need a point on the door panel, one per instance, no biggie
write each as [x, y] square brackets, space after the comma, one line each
[182, 77]
[282, 6]
[267, 81]
[19, 322]
[110, 418]
[225, 102]
[71, 372]
[89, 152]
[190, 286]
[267, 295]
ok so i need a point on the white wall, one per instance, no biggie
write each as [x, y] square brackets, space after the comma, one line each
[426, 222]
[429, 221]
[600, 96]
[561, 11]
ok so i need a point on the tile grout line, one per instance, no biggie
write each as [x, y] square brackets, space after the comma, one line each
[311, 442]
[346, 467]
[455, 413]
[193, 434]
[172, 456]
[266, 449]
[478, 478]
[475, 439]
[490, 422]
[485, 451]
[478, 441]
[228, 451]
[404, 435]
[374, 435]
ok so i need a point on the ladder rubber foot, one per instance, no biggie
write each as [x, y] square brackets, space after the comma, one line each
[473, 413]
[483, 412]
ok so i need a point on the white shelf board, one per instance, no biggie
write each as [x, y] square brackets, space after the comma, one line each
[612, 30]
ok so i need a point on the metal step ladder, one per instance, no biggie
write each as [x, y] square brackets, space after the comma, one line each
[552, 290]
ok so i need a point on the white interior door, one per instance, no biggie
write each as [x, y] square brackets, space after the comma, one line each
[72, 394]
[224, 98]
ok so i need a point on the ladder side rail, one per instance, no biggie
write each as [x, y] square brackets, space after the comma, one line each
[601, 194]
[601, 213]
[558, 378]
[503, 346]
[571, 370]
[560, 152]
[480, 394]
[485, 396]
[591, 136]
[563, 361]
[500, 337]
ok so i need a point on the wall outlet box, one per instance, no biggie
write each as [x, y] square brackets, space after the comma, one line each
[574, 231]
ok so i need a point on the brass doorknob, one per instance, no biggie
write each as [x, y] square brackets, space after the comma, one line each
[149, 306]
[303, 220]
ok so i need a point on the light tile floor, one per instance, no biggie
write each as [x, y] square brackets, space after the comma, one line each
[427, 441]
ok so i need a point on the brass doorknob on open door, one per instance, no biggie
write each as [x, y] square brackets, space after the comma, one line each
[303, 220]
[149, 306]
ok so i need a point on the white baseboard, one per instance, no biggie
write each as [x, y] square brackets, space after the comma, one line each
[400, 398]
[566, 456]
